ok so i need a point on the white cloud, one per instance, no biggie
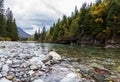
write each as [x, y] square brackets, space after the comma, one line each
[41, 12]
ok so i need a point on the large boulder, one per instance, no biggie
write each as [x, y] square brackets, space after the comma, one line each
[55, 56]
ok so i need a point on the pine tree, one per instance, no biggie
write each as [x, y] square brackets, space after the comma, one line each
[43, 34]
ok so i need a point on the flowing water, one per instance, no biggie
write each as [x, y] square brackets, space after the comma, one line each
[91, 64]
[83, 51]
[92, 57]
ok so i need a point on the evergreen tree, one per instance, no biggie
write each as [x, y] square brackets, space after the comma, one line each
[98, 21]
[8, 28]
[11, 27]
[43, 34]
[36, 35]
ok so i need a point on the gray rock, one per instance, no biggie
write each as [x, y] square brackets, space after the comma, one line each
[71, 77]
[4, 80]
[38, 80]
[23, 56]
[33, 67]
[1, 75]
[5, 68]
[9, 61]
[84, 69]
[16, 80]
[99, 78]
[2, 59]
[9, 77]
[15, 61]
[31, 72]
[84, 80]
[15, 65]
[1, 65]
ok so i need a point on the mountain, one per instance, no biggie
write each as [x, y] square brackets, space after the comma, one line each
[22, 33]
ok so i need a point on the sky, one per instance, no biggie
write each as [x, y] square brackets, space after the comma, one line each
[31, 15]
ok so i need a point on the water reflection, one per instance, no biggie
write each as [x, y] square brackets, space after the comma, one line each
[85, 51]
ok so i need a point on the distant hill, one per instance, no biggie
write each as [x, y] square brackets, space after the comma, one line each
[22, 33]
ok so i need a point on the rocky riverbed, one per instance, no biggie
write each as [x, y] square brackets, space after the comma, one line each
[30, 62]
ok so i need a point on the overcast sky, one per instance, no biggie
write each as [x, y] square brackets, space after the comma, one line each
[33, 14]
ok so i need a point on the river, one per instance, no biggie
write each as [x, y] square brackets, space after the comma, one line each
[104, 59]
[22, 61]
[84, 51]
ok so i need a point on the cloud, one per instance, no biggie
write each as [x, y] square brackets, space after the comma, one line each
[33, 14]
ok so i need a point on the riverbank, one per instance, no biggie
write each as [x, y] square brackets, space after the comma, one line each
[90, 42]
[33, 62]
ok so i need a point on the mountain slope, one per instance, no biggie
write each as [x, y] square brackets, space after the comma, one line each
[22, 33]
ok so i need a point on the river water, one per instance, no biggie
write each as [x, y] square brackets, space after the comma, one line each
[91, 64]
[84, 51]
[87, 57]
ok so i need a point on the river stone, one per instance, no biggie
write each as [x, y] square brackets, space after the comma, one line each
[15, 65]
[85, 80]
[15, 61]
[23, 56]
[16, 80]
[55, 56]
[84, 69]
[5, 68]
[8, 62]
[97, 65]
[4, 80]
[9, 77]
[99, 78]
[33, 67]
[0, 75]
[71, 77]
[38, 80]
[1, 65]
[31, 72]
[3, 52]
[36, 61]
[48, 63]
[2, 59]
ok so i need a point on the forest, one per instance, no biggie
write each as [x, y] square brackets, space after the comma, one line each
[94, 24]
[8, 27]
